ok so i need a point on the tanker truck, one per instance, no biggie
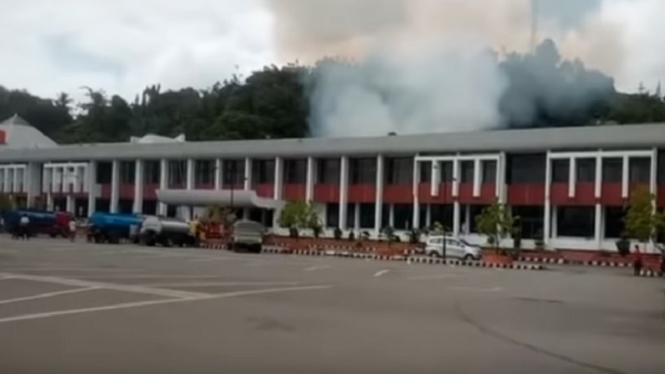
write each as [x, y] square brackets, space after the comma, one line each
[166, 232]
[41, 222]
[113, 227]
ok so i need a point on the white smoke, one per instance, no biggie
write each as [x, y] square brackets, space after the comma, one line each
[435, 87]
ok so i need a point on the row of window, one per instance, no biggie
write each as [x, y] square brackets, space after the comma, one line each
[520, 168]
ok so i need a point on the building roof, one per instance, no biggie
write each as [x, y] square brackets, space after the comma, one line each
[19, 134]
[515, 140]
[153, 139]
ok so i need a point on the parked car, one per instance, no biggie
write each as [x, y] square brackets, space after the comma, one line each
[455, 248]
[247, 235]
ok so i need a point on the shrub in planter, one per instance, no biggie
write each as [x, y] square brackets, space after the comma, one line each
[414, 236]
[337, 233]
[317, 230]
[294, 233]
[517, 239]
[539, 241]
[352, 236]
[496, 222]
[364, 235]
[389, 234]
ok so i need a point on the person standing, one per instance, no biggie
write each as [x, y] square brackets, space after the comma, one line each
[72, 229]
[24, 227]
[637, 260]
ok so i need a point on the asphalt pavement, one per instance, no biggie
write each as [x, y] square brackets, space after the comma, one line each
[88, 308]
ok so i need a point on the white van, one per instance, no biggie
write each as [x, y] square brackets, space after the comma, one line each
[455, 248]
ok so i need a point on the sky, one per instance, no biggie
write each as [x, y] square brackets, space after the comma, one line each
[120, 46]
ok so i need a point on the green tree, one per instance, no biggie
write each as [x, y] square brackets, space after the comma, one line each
[298, 215]
[642, 220]
[496, 222]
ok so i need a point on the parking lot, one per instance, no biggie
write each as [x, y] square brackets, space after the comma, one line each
[87, 308]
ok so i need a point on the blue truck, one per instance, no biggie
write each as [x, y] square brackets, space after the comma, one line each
[113, 227]
[41, 222]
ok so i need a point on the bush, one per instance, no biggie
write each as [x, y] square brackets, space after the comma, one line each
[352, 236]
[414, 236]
[337, 233]
[623, 246]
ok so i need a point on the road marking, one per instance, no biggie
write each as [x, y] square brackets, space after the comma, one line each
[321, 267]
[213, 284]
[149, 276]
[438, 276]
[67, 269]
[111, 286]
[476, 289]
[45, 295]
[380, 273]
[158, 302]
[211, 259]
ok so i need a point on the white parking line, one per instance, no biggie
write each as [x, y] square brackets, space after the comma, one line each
[158, 302]
[321, 267]
[211, 259]
[214, 284]
[45, 295]
[475, 289]
[380, 273]
[432, 277]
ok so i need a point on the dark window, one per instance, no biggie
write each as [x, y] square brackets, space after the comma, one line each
[446, 171]
[403, 216]
[385, 216]
[362, 171]
[578, 222]
[204, 172]
[332, 215]
[489, 171]
[234, 172]
[399, 170]
[442, 214]
[127, 172]
[295, 171]
[367, 212]
[151, 172]
[526, 168]
[612, 170]
[327, 170]
[467, 168]
[104, 172]
[531, 220]
[586, 170]
[475, 211]
[263, 171]
[560, 171]
[614, 224]
[351, 216]
[177, 172]
[425, 171]
[640, 170]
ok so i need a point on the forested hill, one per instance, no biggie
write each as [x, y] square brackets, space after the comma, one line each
[271, 103]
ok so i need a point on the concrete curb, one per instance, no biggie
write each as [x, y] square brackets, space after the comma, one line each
[650, 274]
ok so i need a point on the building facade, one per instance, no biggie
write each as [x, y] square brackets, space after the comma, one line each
[568, 185]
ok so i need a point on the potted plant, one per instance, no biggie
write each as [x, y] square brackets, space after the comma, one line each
[539, 241]
[496, 222]
[414, 236]
[337, 233]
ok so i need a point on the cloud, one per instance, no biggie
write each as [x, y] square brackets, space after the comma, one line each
[124, 45]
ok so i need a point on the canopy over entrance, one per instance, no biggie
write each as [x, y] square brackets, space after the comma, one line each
[237, 198]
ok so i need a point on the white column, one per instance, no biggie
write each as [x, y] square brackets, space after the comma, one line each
[467, 219]
[49, 202]
[416, 199]
[555, 230]
[17, 179]
[279, 178]
[547, 221]
[56, 181]
[501, 178]
[115, 186]
[598, 183]
[248, 174]
[311, 177]
[436, 178]
[456, 218]
[138, 186]
[428, 216]
[343, 190]
[6, 183]
[625, 177]
[189, 180]
[70, 205]
[47, 176]
[91, 180]
[598, 226]
[456, 176]
[477, 176]
[33, 182]
[378, 210]
[391, 215]
[219, 174]
[572, 177]
[163, 184]
[653, 187]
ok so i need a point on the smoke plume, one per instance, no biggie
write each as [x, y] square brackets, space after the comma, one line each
[414, 66]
